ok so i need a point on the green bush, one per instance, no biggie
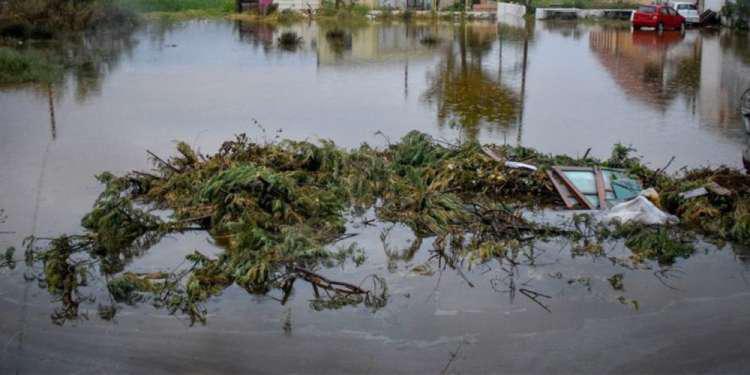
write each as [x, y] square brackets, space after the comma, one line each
[24, 30]
[327, 8]
[360, 10]
[39, 18]
[455, 7]
[177, 5]
[738, 12]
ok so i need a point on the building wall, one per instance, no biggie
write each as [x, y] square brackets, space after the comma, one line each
[297, 4]
[714, 5]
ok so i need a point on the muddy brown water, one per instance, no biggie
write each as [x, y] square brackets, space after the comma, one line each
[558, 87]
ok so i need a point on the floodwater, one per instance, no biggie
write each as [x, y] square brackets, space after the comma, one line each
[558, 87]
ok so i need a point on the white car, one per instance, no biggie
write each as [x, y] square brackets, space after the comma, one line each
[688, 11]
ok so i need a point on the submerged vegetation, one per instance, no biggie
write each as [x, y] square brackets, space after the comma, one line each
[279, 209]
[20, 67]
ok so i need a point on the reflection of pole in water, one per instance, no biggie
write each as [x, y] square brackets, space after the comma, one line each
[523, 87]
[35, 215]
[406, 78]
[52, 124]
[499, 55]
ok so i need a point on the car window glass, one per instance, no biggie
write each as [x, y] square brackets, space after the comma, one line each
[646, 9]
[664, 11]
[672, 12]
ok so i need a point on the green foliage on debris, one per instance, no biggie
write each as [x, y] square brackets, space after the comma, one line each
[722, 217]
[664, 244]
[7, 259]
[279, 209]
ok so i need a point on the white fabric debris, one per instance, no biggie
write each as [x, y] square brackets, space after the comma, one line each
[639, 210]
[517, 165]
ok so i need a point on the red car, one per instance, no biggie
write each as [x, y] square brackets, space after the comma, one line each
[658, 16]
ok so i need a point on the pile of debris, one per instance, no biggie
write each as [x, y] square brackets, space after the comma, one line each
[278, 208]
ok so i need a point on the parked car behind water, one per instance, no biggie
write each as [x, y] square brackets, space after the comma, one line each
[658, 16]
[687, 11]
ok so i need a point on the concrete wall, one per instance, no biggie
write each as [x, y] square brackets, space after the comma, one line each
[547, 13]
[297, 4]
[511, 14]
[510, 10]
[714, 5]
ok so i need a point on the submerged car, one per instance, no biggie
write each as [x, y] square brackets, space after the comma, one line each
[688, 11]
[658, 16]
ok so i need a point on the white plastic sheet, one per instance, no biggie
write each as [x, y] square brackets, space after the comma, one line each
[517, 165]
[639, 210]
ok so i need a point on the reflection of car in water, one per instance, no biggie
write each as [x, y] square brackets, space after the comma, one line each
[688, 11]
[650, 67]
[658, 16]
[648, 39]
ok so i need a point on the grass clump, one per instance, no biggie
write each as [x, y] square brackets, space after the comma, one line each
[289, 41]
[352, 12]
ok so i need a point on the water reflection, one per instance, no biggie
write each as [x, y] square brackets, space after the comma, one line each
[657, 69]
[256, 34]
[468, 95]
[222, 74]
[650, 67]
[568, 29]
[373, 44]
[85, 60]
[729, 75]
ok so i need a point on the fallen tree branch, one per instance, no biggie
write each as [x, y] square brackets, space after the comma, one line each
[322, 282]
[166, 164]
[661, 170]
